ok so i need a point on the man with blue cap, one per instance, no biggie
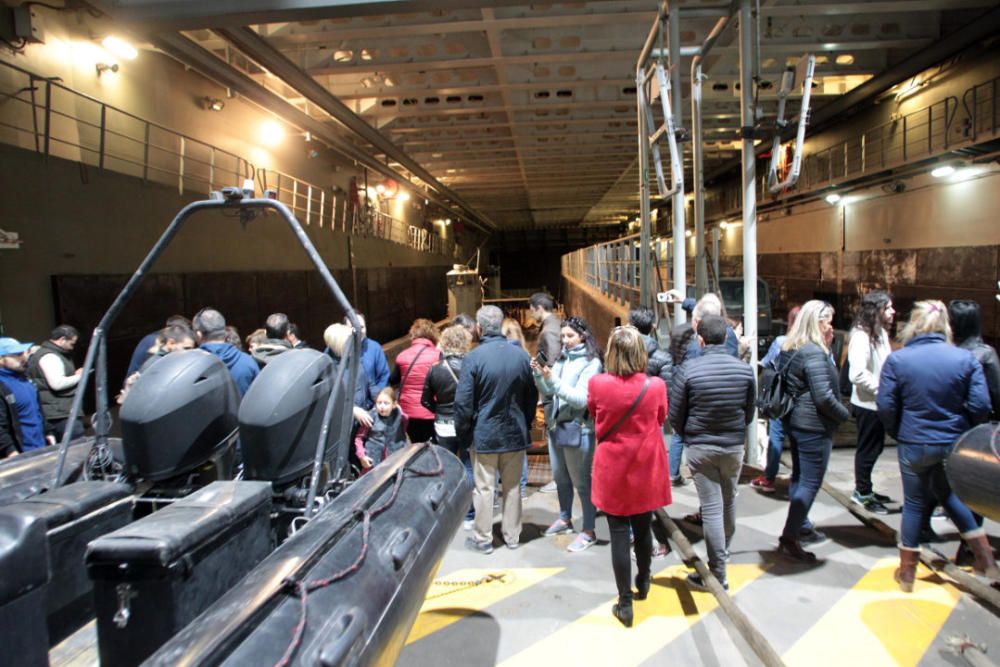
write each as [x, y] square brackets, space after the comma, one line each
[22, 426]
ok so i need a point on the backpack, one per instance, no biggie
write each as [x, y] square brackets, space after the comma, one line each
[774, 400]
[844, 381]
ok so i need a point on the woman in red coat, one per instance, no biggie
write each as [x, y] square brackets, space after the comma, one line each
[412, 366]
[631, 475]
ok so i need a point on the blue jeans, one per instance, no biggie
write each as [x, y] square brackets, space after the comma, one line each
[676, 451]
[571, 468]
[810, 457]
[524, 475]
[924, 484]
[775, 442]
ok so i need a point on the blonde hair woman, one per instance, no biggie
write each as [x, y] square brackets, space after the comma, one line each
[336, 337]
[631, 477]
[511, 330]
[930, 393]
[812, 379]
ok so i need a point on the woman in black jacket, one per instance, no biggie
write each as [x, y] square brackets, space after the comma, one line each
[816, 413]
[440, 383]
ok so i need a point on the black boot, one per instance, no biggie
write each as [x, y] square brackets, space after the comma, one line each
[622, 610]
[641, 586]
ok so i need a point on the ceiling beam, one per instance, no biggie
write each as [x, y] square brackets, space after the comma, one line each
[195, 14]
[257, 49]
[540, 58]
[336, 34]
[622, 122]
[496, 49]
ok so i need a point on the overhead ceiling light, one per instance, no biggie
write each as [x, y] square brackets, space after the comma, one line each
[213, 103]
[832, 198]
[943, 171]
[119, 47]
[967, 173]
[403, 196]
[724, 224]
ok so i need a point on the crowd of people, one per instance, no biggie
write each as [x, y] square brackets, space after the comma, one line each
[619, 418]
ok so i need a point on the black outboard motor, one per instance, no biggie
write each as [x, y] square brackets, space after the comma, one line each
[347, 587]
[180, 414]
[281, 416]
[974, 470]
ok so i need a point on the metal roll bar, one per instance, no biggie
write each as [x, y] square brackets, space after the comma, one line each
[231, 200]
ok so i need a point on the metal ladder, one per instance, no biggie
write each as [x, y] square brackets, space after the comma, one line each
[668, 130]
[802, 75]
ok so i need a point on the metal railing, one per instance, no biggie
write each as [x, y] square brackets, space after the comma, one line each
[55, 120]
[937, 129]
[50, 118]
[611, 268]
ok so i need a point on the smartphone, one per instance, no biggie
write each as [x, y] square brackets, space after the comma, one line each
[542, 358]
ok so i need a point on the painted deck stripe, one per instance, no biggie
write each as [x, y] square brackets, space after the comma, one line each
[447, 603]
[875, 624]
[599, 639]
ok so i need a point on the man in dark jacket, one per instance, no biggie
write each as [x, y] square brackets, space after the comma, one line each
[276, 329]
[210, 328]
[541, 306]
[22, 426]
[711, 403]
[494, 408]
[52, 370]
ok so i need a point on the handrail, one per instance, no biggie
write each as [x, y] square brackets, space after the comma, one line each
[93, 132]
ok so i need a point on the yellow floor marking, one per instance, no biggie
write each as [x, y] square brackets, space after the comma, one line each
[877, 624]
[447, 603]
[599, 639]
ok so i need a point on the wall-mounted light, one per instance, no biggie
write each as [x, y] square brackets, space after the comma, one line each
[103, 68]
[943, 171]
[832, 198]
[403, 196]
[213, 104]
[119, 47]
[271, 133]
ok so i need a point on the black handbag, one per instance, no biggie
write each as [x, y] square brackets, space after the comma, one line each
[568, 434]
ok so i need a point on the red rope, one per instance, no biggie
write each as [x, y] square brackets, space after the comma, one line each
[303, 588]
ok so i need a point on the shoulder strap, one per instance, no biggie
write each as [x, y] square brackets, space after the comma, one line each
[409, 368]
[447, 367]
[621, 421]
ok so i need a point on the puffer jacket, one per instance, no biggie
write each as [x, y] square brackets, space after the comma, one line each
[712, 399]
[421, 355]
[659, 362]
[930, 392]
[567, 387]
[813, 381]
[987, 358]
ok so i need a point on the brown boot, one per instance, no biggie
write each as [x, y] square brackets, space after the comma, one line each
[986, 564]
[907, 570]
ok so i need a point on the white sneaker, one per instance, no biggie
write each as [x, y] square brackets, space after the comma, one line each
[468, 524]
[549, 488]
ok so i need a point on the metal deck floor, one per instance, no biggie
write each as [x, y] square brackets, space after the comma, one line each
[553, 607]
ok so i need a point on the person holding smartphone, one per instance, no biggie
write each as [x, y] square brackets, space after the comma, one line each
[568, 425]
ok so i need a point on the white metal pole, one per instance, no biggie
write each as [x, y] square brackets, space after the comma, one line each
[680, 245]
[747, 121]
